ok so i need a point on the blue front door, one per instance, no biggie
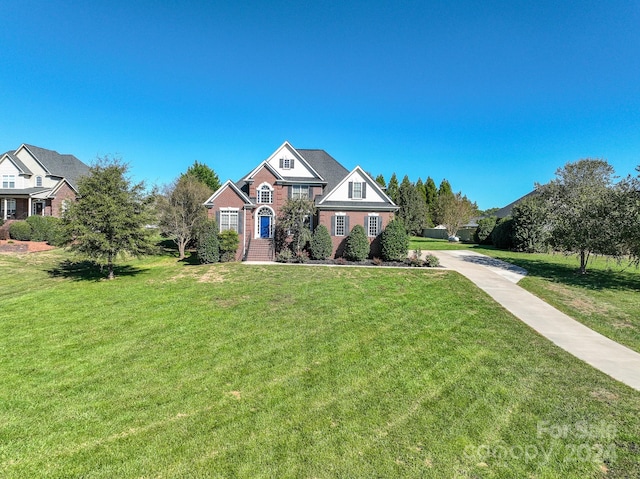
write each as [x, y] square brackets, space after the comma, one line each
[265, 226]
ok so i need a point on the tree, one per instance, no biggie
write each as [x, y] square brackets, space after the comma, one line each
[205, 174]
[229, 242]
[444, 195]
[380, 180]
[530, 225]
[294, 217]
[182, 212]
[392, 188]
[484, 229]
[357, 247]
[628, 208]
[582, 213]
[454, 211]
[321, 245]
[110, 215]
[431, 197]
[420, 187]
[413, 208]
[394, 241]
[445, 188]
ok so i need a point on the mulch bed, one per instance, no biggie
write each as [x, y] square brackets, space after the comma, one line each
[14, 246]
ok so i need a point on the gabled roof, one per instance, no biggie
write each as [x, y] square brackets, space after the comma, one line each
[63, 166]
[16, 161]
[227, 184]
[326, 166]
[326, 202]
[506, 211]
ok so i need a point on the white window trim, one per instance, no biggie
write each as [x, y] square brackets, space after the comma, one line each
[353, 191]
[264, 187]
[39, 181]
[371, 216]
[300, 189]
[286, 164]
[344, 224]
[229, 212]
[7, 180]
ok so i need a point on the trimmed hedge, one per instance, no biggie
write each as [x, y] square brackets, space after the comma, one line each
[357, 247]
[321, 246]
[394, 242]
[229, 242]
[20, 230]
[208, 243]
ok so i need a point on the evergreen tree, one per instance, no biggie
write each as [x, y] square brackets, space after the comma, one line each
[431, 197]
[422, 190]
[321, 245]
[380, 180]
[394, 241]
[208, 243]
[110, 216]
[357, 247]
[413, 208]
[392, 188]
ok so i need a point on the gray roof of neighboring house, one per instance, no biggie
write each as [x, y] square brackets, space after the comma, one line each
[18, 162]
[506, 211]
[66, 166]
[326, 166]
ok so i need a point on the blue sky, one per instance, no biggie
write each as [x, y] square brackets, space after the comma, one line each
[493, 96]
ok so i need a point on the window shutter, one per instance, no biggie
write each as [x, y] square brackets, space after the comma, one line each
[311, 192]
[364, 190]
[218, 219]
[351, 189]
[291, 163]
[281, 162]
[289, 188]
[333, 225]
[379, 224]
[346, 226]
[240, 221]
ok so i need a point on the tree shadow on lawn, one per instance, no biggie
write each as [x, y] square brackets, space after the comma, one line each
[90, 271]
[595, 279]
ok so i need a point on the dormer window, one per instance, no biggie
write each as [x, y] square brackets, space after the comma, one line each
[38, 180]
[286, 163]
[265, 193]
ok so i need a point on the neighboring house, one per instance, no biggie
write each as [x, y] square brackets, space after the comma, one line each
[343, 199]
[507, 210]
[36, 181]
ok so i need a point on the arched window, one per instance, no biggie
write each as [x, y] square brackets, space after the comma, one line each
[265, 193]
[38, 180]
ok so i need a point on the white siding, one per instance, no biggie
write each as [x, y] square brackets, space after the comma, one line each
[35, 168]
[341, 193]
[299, 170]
[8, 168]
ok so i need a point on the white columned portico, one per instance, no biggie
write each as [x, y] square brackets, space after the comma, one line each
[29, 206]
[4, 210]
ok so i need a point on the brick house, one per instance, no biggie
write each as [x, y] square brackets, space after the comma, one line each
[36, 181]
[343, 199]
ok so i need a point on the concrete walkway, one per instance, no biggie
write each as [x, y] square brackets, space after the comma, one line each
[498, 279]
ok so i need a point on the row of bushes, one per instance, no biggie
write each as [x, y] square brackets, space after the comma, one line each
[392, 245]
[39, 228]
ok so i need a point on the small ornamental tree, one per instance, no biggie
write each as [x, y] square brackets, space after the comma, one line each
[229, 242]
[321, 246]
[357, 245]
[111, 215]
[454, 211]
[208, 243]
[394, 242]
[294, 218]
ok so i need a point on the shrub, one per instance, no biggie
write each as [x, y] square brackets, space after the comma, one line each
[284, 256]
[357, 247]
[502, 233]
[321, 246]
[301, 257]
[20, 230]
[208, 243]
[431, 261]
[39, 227]
[394, 242]
[57, 234]
[415, 259]
[229, 242]
[482, 234]
[531, 230]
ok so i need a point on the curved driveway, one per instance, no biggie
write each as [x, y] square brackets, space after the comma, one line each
[498, 279]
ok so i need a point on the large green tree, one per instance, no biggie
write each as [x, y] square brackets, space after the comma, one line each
[380, 180]
[431, 198]
[531, 229]
[205, 174]
[111, 215]
[628, 208]
[413, 208]
[181, 211]
[581, 202]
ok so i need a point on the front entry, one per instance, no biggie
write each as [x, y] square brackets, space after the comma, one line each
[265, 226]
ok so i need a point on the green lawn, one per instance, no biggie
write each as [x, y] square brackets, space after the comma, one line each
[233, 370]
[606, 299]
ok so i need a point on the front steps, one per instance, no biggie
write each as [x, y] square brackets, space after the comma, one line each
[260, 250]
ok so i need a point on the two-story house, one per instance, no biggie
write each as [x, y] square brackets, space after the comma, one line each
[342, 198]
[36, 181]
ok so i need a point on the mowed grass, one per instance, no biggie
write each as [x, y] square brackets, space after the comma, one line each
[606, 299]
[234, 370]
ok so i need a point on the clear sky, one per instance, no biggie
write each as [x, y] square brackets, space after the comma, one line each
[493, 96]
